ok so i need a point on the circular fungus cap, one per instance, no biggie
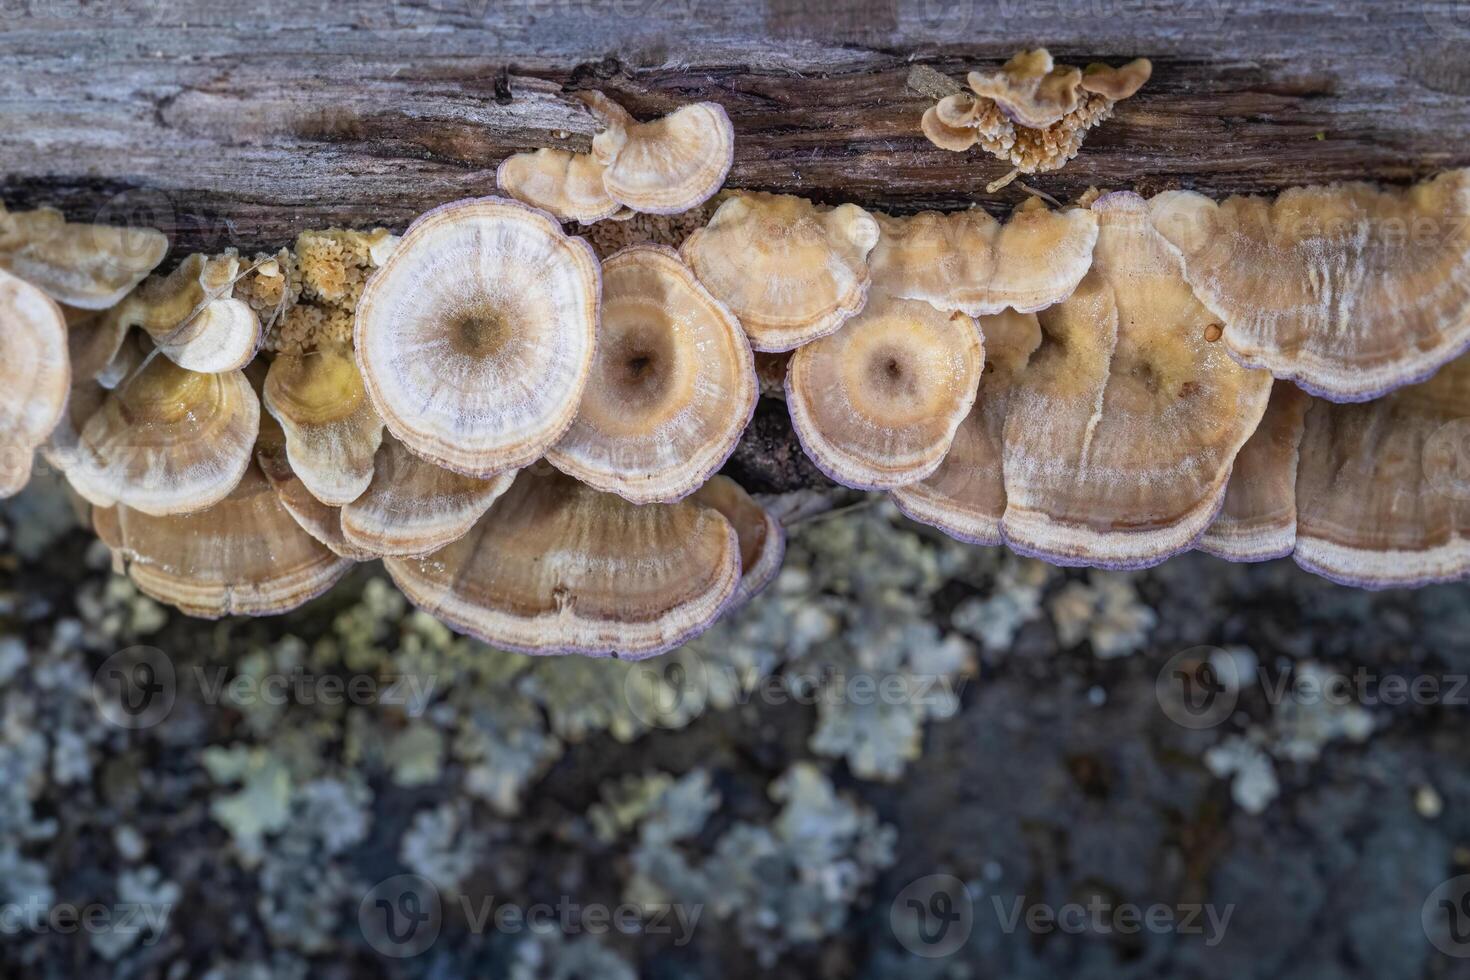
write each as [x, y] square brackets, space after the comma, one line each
[1380, 494]
[876, 404]
[557, 567]
[953, 136]
[761, 537]
[1258, 519]
[565, 184]
[969, 262]
[672, 164]
[1030, 88]
[965, 496]
[672, 388]
[475, 339]
[331, 430]
[167, 440]
[35, 376]
[244, 555]
[1348, 290]
[87, 266]
[413, 507]
[321, 521]
[192, 315]
[1120, 436]
[791, 272]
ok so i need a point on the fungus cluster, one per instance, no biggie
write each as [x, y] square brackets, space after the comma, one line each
[1032, 112]
[530, 437]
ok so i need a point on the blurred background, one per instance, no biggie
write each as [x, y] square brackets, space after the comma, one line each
[908, 758]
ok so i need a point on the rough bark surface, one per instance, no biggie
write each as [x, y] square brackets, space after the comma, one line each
[242, 124]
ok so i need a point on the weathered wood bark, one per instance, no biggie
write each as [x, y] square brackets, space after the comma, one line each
[228, 123]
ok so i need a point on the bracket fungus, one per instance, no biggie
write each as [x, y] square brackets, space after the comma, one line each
[321, 521]
[331, 430]
[967, 261]
[413, 507]
[90, 267]
[556, 566]
[192, 315]
[672, 388]
[1257, 522]
[166, 441]
[876, 404]
[36, 376]
[790, 271]
[761, 537]
[965, 497]
[475, 339]
[1349, 290]
[1374, 509]
[1032, 112]
[1120, 435]
[242, 555]
[666, 166]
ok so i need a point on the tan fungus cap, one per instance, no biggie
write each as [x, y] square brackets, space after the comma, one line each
[86, 266]
[762, 539]
[35, 376]
[332, 432]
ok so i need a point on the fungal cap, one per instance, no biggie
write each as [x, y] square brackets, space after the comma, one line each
[1030, 89]
[86, 266]
[1120, 437]
[876, 404]
[761, 537]
[35, 376]
[1348, 290]
[673, 383]
[1117, 84]
[167, 440]
[790, 272]
[557, 567]
[1383, 488]
[1258, 519]
[331, 430]
[968, 261]
[413, 507]
[192, 316]
[242, 555]
[965, 496]
[476, 338]
[321, 521]
[945, 135]
[565, 184]
[672, 164]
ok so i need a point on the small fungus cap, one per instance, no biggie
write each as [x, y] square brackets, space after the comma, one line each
[35, 376]
[1348, 290]
[1117, 84]
[321, 521]
[876, 404]
[953, 136]
[762, 539]
[1381, 499]
[476, 338]
[413, 507]
[965, 496]
[331, 430]
[192, 315]
[167, 440]
[87, 266]
[673, 383]
[672, 164]
[967, 261]
[1120, 437]
[565, 184]
[244, 555]
[789, 271]
[1030, 88]
[557, 567]
[1258, 519]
